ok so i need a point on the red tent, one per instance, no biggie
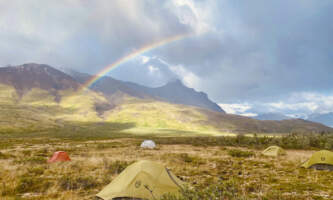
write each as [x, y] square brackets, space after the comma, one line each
[59, 156]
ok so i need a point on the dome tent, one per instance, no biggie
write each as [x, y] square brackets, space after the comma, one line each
[274, 151]
[142, 180]
[320, 160]
[149, 144]
[59, 156]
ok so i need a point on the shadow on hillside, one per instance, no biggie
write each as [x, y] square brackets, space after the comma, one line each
[74, 131]
[173, 132]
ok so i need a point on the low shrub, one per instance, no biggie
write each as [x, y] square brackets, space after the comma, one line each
[115, 167]
[36, 170]
[41, 152]
[191, 159]
[32, 184]
[222, 190]
[5, 156]
[288, 141]
[34, 160]
[240, 153]
[101, 146]
[75, 183]
[26, 152]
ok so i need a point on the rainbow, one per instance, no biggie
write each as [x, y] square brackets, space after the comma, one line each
[130, 56]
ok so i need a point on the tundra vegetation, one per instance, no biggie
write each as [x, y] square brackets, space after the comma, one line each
[214, 167]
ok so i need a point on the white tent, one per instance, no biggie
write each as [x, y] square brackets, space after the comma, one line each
[149, 144]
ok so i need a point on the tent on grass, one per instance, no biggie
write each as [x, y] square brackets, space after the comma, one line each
[321, 160]
[274, 151]
[59, 156]
[148, 144]
[142, 180]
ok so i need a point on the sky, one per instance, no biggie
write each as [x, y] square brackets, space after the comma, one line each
[249, 56]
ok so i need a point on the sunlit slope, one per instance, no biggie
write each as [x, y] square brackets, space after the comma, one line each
[8, 94]
[38, 97]
[159, 115]
[39, 110]
[82, 106]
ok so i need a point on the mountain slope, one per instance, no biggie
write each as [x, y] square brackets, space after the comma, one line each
[173, 92]
[271, 116]
[177, 92]
[28, 76]
[326, 118]
[48, 99]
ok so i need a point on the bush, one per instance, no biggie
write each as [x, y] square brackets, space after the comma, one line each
[34, 160]
[26, 152]
[222, 190]
[288, 141]
[110, 145]
[240, 153]
[191, 159]
[6, 156]
[115, 167]
[41, 152]
[32, 184]
[186, 158]
[74, 183]
[36, 171]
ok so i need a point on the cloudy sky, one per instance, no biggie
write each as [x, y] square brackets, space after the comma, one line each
[249, 56]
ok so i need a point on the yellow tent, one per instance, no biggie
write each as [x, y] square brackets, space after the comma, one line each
[142, 180]
[320, 160]
[274, 151]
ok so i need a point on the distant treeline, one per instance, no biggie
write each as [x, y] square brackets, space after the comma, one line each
[290, 141]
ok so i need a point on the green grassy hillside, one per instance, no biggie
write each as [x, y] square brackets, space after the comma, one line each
[90, 113]
[38, 110]
[159, 115]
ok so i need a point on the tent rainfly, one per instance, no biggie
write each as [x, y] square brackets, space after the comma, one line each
[321, 160]
[148, 144]
[59, 156]
[274, 151]
[142, 180]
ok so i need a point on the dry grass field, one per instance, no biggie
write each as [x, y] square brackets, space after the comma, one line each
[214, 172]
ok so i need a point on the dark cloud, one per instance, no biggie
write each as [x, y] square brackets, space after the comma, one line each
[253, 51]
[267, 50]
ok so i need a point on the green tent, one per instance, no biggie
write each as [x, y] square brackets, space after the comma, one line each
[274, 151]
[142, 180]
[320, 160]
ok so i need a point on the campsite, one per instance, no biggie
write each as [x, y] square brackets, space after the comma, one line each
[166, 100]
[212, 168]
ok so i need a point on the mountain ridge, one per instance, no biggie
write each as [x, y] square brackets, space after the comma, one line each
[31, 75]
[326, 118]
[172, 92]
[91, 106]
[271, 116]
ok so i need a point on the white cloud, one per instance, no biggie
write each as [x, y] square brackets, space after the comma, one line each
[187, 77]
[249, 114]
[153, 70]
[235, 108]
[305, 102]
[193, 14]
[144, 59]
[297, 105]
[309, 106]
[238, 109]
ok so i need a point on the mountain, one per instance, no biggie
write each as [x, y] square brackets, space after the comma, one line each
[38, 98]
[326, 118]
[173, 92]
[271, 116]
[25, 77]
